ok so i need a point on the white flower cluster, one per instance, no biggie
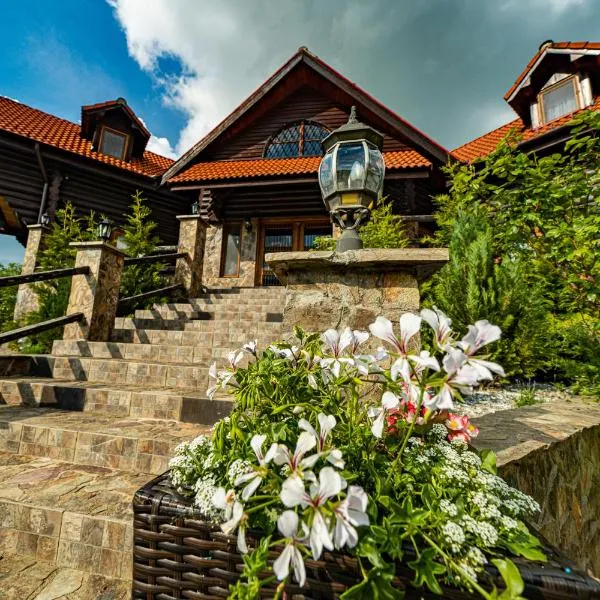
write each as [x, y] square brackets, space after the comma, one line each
[322, 511]
[193, 462]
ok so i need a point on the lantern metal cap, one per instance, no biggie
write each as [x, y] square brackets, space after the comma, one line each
[351, 131]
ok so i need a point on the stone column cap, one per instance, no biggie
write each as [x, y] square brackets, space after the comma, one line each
[423, 262]
[96, 245]
[38, 226]
[191, 218]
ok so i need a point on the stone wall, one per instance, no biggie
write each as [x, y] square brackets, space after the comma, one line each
[212, 258]
[552, 452]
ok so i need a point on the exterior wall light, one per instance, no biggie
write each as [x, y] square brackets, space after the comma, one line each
[351, 177]
[196, 208]
[45, 220]
[104, 230]
[248, 224]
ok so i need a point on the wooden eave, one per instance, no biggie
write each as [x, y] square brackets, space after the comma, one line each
[305, 68]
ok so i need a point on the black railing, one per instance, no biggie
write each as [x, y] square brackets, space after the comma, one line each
[150, 294]
[139, 260]
[42, 276]
[15, 334]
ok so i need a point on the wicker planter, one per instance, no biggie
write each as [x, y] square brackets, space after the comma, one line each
[178, 555]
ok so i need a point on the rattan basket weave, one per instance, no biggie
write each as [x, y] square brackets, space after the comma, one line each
[178, 555]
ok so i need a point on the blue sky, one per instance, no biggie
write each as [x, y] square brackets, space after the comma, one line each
[444, 65]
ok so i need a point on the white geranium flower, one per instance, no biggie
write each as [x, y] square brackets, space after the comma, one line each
[389, 402]
[358, 338]
[287, 523]
[409, 327]
[250, 347]
[237, 521]
[337, 343]
[326, 424]
[291, 353]
[222, 378]
[441, 325]
[234, 358]
[425, 361]
[224, 500]
[480, 334]
[349, 514]
[296, 461]
[254, 478]
[294, 494]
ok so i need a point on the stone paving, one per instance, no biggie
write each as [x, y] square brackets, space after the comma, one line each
[76, 446]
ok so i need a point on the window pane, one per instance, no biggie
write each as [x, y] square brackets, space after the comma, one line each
[113, 144]
[559, 101]
[350, 166]
[310, 233]
[283, 150]
[313, 149]
[232, 253]
[291, 134]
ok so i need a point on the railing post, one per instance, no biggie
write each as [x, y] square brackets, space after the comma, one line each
[27, 300]
[192, 237]
[95, 295]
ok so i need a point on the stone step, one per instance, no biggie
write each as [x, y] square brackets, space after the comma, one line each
[203, 354]
[189, 406]
[228, 339]
[116, 371]
[249, 292]
[74, 516]
[232, 313]
[219, 321]
[25, 577]
[93, 439]
[249, 329]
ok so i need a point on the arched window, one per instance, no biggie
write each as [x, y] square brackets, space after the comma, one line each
[299, 139]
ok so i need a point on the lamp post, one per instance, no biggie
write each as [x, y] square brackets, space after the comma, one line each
[104, 230]
[351, 177]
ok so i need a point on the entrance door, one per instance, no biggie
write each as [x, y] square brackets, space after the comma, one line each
[286, 237]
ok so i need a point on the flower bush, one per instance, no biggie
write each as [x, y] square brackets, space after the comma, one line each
[330, 447]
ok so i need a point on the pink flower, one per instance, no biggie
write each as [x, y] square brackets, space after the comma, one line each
[460, 428]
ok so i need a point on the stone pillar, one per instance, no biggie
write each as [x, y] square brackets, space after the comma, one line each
[330, 289]
[95, 295]
[27, 300]
[192, 238]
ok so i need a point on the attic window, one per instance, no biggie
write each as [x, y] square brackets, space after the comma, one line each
[113, 143]
[559, 99]
[300, 139]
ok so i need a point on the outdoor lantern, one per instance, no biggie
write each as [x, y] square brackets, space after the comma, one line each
[45, 220]
[248, 224]
[104, 230]
[196, 208]
[351, 177]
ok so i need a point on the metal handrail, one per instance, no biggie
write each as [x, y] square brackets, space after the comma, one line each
[15, 334]
[138, 260]
[42, 276]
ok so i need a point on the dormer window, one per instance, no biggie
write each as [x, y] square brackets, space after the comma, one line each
[113, 143]
[559, 99]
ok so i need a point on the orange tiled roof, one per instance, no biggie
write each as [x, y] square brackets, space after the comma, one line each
[485, 144]
[556, 45]
[42, 127]
[265, 167]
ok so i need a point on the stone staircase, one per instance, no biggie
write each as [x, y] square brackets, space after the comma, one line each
[82, 429]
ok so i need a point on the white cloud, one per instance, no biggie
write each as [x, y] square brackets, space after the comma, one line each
[228, 48]
[162, 146]
[551, 8]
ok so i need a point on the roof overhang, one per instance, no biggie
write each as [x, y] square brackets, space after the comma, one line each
[525, 78]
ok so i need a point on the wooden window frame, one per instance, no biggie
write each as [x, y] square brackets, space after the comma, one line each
[301, 141]
[297, 224]
[117, 132]
[574, 81]
[227, 228]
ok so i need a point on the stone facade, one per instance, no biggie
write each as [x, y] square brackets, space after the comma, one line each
[27, 300]
[552, 452]
[329, 289]
[192, 238]
[212, 258]
[95, 295]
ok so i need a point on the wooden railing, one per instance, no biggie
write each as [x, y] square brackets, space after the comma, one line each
[15, 334]
[127, 303]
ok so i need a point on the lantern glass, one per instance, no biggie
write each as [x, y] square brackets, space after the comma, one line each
[104, 230]
[326, 180]
[375, 170]
[350, 166]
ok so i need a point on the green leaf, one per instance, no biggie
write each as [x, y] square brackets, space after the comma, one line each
[426, 568]
[488, 461]
[512, 579]
[377, 585]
